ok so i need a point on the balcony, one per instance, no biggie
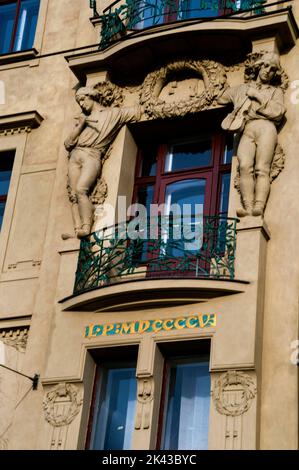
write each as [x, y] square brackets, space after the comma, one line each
[138, 43]
[123, 18]
[160, 248]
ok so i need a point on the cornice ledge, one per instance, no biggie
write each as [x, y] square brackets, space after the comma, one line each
[19, 56]
[20, 122]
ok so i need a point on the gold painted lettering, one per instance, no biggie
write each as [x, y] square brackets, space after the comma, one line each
[107, 328]
[157, 325]
[143, 326]
[192, 322]
[168, 325]
[128, 328]
[180, 323]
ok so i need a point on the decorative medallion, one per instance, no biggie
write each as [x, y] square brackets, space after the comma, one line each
[211, 73]
[62, 404]
[233, 393]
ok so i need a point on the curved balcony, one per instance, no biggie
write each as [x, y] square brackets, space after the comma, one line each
[129, 16]
[134, 39]
[157, 248]
[156, 263]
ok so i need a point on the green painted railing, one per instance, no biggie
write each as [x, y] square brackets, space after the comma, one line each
[161, 247]
[129, 15]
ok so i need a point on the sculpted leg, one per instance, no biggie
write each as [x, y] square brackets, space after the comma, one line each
[73, 177]
[264, 156]
[89, 173]
[246, 154]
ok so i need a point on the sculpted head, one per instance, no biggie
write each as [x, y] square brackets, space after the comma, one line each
[85, 97]
[268, 68]
[105, 94]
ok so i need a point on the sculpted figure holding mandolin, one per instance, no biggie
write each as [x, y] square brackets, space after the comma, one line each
[258, 110]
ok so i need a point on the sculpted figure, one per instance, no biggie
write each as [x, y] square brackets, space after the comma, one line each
[258, 110]
[88, 143]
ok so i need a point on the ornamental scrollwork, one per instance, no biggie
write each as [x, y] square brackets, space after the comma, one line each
[58, 415]
[233, 393]
[145, 395]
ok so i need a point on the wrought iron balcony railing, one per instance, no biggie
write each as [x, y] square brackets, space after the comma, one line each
[135, 15]
[163, 247]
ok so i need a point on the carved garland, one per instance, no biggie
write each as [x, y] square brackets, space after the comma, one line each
[51, 401]
[214, 78]
[221, 388]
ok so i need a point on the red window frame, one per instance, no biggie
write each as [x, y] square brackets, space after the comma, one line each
[212, 173]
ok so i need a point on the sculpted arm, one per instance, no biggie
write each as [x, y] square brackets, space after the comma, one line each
[72, 139]
[273, 109]
[226, 97]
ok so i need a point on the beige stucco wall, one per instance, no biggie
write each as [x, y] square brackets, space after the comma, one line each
[255, 327]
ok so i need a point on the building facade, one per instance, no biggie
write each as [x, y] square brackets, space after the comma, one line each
[171, 324]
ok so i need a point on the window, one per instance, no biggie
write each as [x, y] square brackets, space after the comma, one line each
[112, 415]
[185, 401]
[6, 164]
[18, 21]
[188, 171]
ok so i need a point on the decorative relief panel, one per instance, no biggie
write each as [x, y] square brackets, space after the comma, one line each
[61, 405]
[145, 395]
[16, 338]
[208, 79]
[233, 394]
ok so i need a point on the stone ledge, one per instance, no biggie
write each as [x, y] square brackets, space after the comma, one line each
[20, 56]
[20, 121]
[151, 293]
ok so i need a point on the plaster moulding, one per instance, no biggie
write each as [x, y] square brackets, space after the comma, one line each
[20, 122]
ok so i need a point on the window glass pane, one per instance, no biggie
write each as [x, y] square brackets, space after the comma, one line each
[188, 155]
[228, 150]
[224, 195]
[188, 405]
[184, 192]
[4, 182]
[198, 8]
[148, 13]
[7, 18]
[149, 160]
[26, 25]
[2, 207]
[184, 202]
[117, 401]
[145, 196]
[6, 164]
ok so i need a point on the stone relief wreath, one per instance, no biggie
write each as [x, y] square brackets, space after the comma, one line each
[243, 390]
[71, 408]
[214, 78]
